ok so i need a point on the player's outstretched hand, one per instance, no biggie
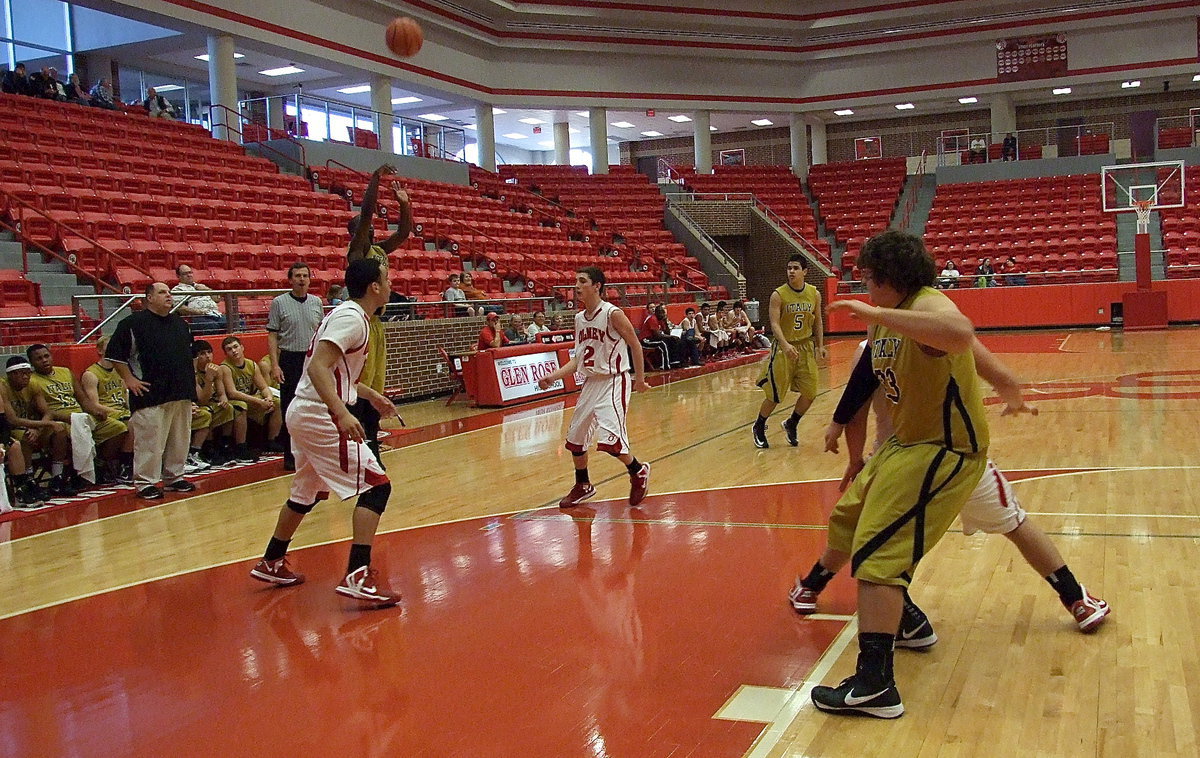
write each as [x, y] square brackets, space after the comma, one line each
[348, 426]
[858, 309]
[544, 383]
[399, 193]
[1017, 408]
[386, 169]
[382, 405]
[852, 470]
[832, 433]
[641, 386]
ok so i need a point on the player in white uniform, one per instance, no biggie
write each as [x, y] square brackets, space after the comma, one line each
[993, 507]
[606, 349]
[331, 455]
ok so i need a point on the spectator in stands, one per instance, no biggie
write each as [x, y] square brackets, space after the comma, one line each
[949, 276]
[1008, 151]
[690, 339]
[336, 294]
[291, 323]
[101, 386]
[101, 95]
[516, 330]
[251, 397]
[212, 413]
[559, 322]
[16, 82]
[34, 427]
[491, 335]
[455, 294]
[1012, 275]
[474, 293]
[203, 310]
[978, 149]
[54, 88]
[65, 400]
[75, 91]
[152, 352]
[537, 327]
[985, 274]
[158, 106]
[658, 355]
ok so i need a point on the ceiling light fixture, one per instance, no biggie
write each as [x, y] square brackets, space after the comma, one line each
[1131, 84]
[652, 134]
[622, 124]
[498, 111]
[514, 135]
[433, 117]
[405, 100]
[680, 119]
[167, 87]
[282, 71]
[531, 121]
[763, 122]
[844, 112]
[1062, 91]
[237, 56]
[968, 100]
[357, 89]
[905, 106]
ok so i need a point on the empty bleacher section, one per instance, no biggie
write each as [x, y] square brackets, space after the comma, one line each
[1054, 226]
[856, 199]
[775, 186]
[1181, 231]
[627, 214]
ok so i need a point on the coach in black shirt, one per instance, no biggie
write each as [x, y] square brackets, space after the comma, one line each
[151, 350]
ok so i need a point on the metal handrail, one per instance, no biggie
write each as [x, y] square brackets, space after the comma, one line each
[674, 176]
[767, 211]
[698, 230]
[957, 144]
[623, 298]
[242, 119]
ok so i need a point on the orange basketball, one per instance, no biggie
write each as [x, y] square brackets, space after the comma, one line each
[404, 36]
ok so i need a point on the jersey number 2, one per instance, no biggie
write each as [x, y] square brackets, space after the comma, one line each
[891, 388]
[589, 353]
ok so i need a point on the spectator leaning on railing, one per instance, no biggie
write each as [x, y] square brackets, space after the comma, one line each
[203, 309]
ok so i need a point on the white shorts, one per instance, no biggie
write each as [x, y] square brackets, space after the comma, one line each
[993, 507]
[600, 413]
[326, 462]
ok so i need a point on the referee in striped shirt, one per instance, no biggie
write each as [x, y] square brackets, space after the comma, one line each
[291, 324]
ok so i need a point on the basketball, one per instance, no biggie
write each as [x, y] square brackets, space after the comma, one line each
[404, 37]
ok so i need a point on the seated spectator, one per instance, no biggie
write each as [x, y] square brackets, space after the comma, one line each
[212, 413]
[474, 293]
[1012, 274]
[1008, 149]
[985, 274]
[666, 334]
[491, 335]
[560, 323]
[101, 95]
[336, 294]
[34, 427]
[516, 330]
[658, 355]
[203, 310]
[101, 385]
[251, 398]
[75, 91]
[16, 82]
[455, 294]
[537, 327]
[690, 339]
[158, 106]
[64, 400]
[949, 276]
[978, 149]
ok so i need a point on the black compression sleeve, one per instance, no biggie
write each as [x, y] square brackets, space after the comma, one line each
[859, 388]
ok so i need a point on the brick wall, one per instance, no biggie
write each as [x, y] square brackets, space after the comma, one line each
[765, 267]
[413, 359]
[719, 219]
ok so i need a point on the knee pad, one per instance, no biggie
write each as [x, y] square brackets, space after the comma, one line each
[376, 498]
[301, 509]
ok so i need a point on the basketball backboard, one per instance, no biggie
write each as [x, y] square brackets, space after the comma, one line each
[1161, 183]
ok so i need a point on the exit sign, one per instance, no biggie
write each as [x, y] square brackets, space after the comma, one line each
[537, 130]
[650, 113]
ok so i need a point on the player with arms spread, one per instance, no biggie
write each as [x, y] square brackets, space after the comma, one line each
[606, 349]
[331, 457]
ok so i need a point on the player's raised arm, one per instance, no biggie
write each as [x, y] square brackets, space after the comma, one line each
[404, 224]
[624, 328]
[361, 241]
[1002, 379]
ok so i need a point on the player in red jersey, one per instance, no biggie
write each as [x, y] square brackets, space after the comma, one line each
[606, 350]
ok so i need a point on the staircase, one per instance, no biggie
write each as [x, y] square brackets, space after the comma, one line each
[925, 191]
[55, 283]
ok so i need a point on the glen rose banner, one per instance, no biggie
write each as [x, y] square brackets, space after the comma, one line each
[1022, 58]
[518, 375]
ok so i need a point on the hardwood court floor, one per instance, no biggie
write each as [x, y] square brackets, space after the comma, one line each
[527, 632]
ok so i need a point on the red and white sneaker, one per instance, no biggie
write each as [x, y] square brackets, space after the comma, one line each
[580, 492]
[1089, 612]
[363, 584]
[276, 572]
[639, 485]
[803, 599]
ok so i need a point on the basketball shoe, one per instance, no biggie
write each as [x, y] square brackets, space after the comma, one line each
[803, 599]
[789, 431]
[852, 697]
[639, 484]
[1089, 612]
[580, 492]
[276, 572]
[760, 435]
[363, 583]
[916, 633]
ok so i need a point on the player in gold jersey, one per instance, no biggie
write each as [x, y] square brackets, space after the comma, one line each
[911, 490]
[798, 339]
[102, 386]
[362, 245]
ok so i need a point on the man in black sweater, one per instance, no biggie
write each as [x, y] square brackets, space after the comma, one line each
[151, 350]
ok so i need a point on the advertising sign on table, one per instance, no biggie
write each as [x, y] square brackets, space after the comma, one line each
[518, 375]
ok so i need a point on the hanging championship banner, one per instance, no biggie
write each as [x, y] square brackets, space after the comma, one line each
[1022, 58]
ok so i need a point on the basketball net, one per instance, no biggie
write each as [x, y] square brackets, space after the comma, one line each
[1143, 208]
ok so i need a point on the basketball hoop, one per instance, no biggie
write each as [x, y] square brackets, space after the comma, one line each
[1143, 208]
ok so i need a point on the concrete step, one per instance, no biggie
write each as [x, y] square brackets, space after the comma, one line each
[62, 295]
[10, 246]
[51, 278]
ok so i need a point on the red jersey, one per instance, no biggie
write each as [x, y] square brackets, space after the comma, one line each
[600, 349]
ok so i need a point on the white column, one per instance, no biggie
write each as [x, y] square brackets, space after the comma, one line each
[381, 103]
[798, 134]
[820, 151]
[703, 141]
[485, 136]
[562, 143]
[275, 113]
[598, 127]
[1004, 116]
[222, 86]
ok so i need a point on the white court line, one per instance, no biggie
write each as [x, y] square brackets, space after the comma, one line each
[800, 699]
[1062, 345]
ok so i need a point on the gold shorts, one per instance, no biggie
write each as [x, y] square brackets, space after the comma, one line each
[781, 375]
